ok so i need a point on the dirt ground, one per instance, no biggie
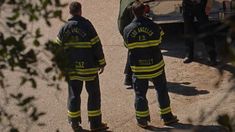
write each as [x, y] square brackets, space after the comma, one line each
[191, 87]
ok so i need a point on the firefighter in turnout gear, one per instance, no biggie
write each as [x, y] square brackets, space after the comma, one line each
[199, 9]
[124, 18]
[85, 58]
[142, 38]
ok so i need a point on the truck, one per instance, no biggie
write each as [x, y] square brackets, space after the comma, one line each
[170, 11]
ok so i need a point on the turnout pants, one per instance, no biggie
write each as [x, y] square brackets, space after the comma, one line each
[189, 13]
[94, 101]
[141, 103]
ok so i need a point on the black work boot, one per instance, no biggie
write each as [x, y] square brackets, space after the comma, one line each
[142, 123]
[76, 127]
[100, 127]
[213, 57]
[189, 57]
[188, 60]
[169, 119]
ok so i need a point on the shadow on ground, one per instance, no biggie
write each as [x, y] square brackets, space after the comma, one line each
[184, 89]
[181, 88]
[180, 127]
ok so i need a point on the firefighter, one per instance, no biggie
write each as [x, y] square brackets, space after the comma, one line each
[85, 58]
[125, 17]
[142, 38]
[199, 9]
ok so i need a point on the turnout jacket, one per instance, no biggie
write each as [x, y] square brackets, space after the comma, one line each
[142, 37]
[82, 49]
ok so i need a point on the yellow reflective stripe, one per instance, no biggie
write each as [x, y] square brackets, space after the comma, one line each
[162, 33]
[144, 44]
[84, 73]
[58, 41]
[165, 111]
[87, 69]
[148, 68]
[74, 114]
[78, 44]
[95, 40]
[82, 78]
[94, 113]
[149, 75]
[102, 61]
[142, 113]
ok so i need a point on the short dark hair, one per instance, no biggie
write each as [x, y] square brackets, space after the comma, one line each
[75, 7]
[138, 8]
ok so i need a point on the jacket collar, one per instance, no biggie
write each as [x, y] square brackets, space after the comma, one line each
[139, 18]
[76, 18]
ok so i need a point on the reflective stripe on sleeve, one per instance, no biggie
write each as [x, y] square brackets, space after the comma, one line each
[58, 41]
[95, 40]
[102, 61]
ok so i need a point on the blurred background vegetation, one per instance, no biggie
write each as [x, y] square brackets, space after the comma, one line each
[21, 43]
[21, 46]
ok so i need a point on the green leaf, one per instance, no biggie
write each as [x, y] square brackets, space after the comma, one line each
[22, 25]
[58, 4]
[10, 24]
[2, 84]
[23, 81]
[18, 96]
[49, 69]
[36, 43]
[33, 82]
[41, 124]
[14, 16]
[11, 2]
[11, 41]
[30, 56]
[38, 33]
[26, 101]
[46, 3]
[58, 13]
[48, 23]
[14, 130]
